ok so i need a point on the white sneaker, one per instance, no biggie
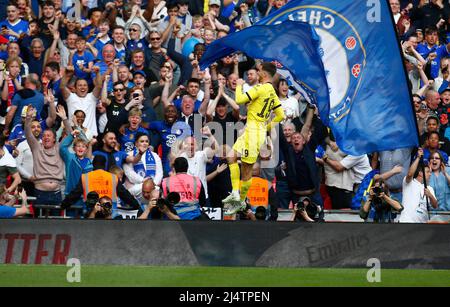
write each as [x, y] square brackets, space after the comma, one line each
[236, 207]
[234, 197]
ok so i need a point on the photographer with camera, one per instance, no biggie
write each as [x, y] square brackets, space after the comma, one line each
[304, 210]
[380, 207]
[161, 208]
[102, 182]
[190, 190]
[102, 207]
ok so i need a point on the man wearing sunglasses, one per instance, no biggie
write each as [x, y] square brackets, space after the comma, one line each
[116, 108]
[135, 41]
[155, 57]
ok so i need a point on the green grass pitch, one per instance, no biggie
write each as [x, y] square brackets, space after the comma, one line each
[51, 275]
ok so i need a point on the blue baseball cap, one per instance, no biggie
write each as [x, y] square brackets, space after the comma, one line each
[140, 72]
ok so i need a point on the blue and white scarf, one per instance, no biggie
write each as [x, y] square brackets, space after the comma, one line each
[149, 170]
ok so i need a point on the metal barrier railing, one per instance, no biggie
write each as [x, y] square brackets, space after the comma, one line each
[331, 215]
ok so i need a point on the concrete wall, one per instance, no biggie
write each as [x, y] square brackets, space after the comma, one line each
[281, 244]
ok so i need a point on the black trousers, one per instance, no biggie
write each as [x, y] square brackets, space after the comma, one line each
[340, 198]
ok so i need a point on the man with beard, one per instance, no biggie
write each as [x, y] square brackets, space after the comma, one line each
[47, 164]
[165, 135]
[113, 156]
[25, 158]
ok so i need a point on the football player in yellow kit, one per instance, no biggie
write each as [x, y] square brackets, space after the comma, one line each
[262, 100]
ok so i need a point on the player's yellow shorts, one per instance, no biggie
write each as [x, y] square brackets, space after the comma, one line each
[249, 144]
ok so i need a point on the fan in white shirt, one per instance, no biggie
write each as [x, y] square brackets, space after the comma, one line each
[417, 198]
[82, 99]
[197, 159]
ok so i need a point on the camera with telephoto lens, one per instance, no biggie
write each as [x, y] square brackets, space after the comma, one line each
[172, 199]
[377, 191]
[377, 202]
[92, 198]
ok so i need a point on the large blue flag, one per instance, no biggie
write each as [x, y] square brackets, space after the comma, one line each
[370, 103]
[293, 44]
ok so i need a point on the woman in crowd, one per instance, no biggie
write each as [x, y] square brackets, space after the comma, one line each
[149, 166]
[440, 181]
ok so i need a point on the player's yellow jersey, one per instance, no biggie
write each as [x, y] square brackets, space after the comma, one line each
[263, 100]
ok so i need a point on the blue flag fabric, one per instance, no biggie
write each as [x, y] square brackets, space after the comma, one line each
[293, 44]
[370, 103]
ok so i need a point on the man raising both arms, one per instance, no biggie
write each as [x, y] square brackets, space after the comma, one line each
[262, 100]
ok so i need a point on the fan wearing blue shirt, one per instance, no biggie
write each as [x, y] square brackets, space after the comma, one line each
[114, 157]
[166, 134]
[102, 38]
[135, 41]
[127, 139]
[118, 36]
[108, 55]
[430, 46]
[13, 26]
[82, 60]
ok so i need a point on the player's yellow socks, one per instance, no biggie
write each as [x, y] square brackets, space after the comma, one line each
[244, 188]
[235, 175]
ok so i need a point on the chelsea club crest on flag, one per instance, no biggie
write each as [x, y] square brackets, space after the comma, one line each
[343, 56]
[370, 103]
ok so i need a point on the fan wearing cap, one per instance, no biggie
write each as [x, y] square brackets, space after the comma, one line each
[141, 90]
[216, 19]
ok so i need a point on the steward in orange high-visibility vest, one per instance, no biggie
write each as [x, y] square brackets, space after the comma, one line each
[102, 182]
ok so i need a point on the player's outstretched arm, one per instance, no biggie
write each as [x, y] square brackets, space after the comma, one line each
[242, 97]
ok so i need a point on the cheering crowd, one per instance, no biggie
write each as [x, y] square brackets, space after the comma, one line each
[105, 113]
